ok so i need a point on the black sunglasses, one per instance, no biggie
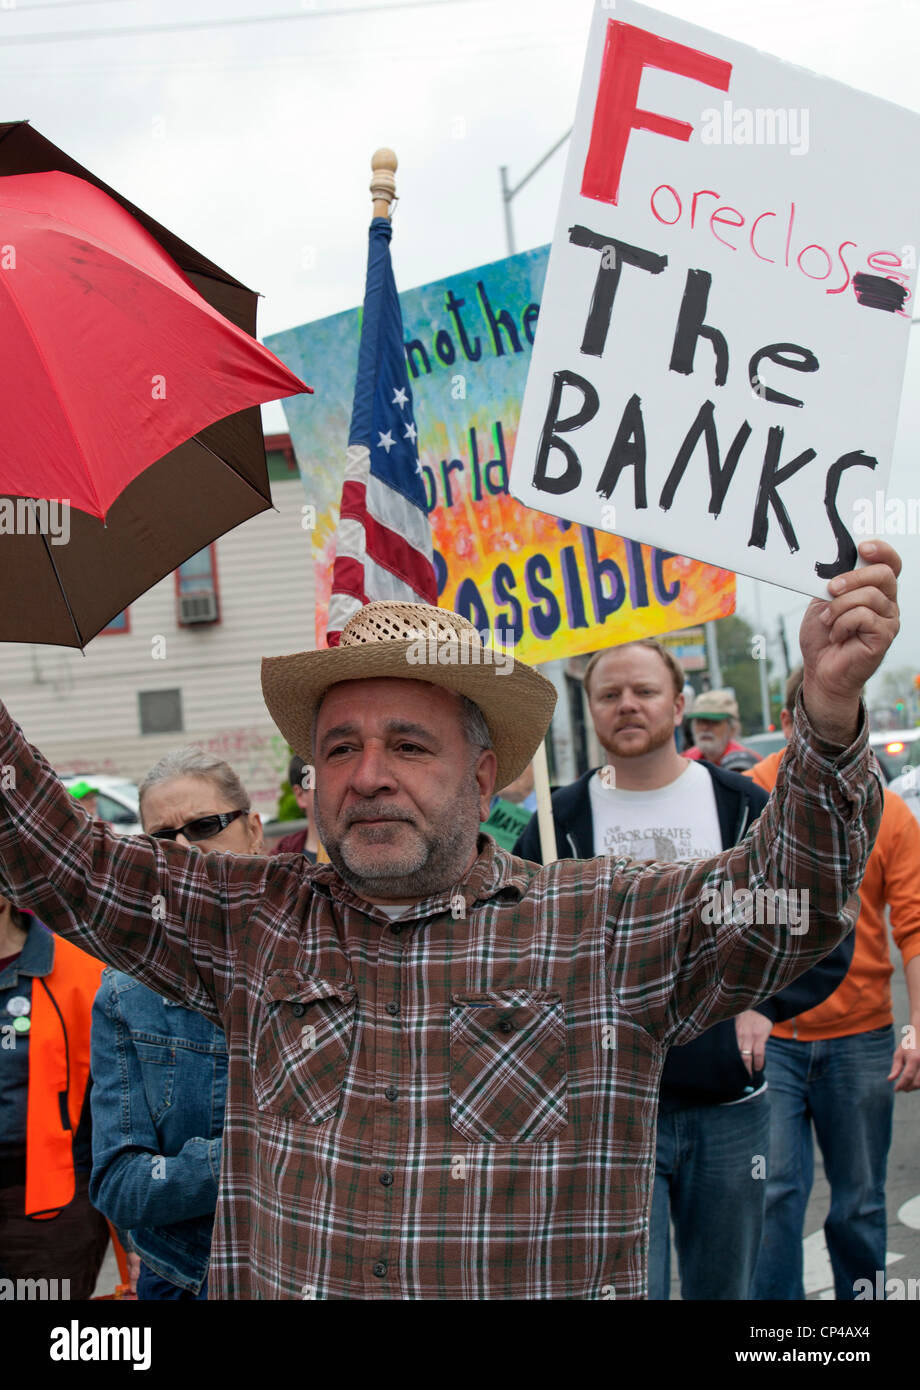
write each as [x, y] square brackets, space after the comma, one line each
[204, 828]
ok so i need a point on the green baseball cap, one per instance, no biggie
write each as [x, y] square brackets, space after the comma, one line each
[83, 789]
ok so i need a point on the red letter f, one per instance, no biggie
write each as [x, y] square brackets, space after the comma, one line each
[627, 50]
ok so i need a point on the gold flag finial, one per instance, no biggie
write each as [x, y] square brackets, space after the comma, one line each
[383, 183]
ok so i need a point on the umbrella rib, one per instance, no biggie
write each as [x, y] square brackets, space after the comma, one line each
[57, 576]
[235, 471]
[50, 555]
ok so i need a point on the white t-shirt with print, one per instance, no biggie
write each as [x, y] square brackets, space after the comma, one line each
[678, 821]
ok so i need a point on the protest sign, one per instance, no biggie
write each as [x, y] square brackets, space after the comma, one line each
[724, 326]
[689, 647]
[506, 822]
[558, 589]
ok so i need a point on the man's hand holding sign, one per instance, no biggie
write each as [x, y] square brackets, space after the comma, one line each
[844, 642]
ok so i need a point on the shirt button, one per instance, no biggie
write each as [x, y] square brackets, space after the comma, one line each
[380, 1269]
[391, 1093]
[392, 1008]
[506, 1026]
[396, 929]
[386, 1179]
[298, 1010]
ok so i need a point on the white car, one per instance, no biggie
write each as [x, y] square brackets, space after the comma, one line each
[897, 750]
[908, 786]
[116, 801]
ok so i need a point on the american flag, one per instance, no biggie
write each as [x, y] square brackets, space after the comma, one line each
[383, 541]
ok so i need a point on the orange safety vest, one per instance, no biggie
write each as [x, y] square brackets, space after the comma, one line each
[58, 1075]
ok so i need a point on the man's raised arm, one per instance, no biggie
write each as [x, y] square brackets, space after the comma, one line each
[692, 944]
[164, 914]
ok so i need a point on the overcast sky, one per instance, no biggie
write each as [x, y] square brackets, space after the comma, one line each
[246, 126]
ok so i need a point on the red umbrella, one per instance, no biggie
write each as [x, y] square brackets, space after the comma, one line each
[126, 361]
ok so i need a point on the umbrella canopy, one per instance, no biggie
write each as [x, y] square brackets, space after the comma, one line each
[126, 357]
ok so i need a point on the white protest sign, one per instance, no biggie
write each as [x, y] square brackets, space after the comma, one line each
[724, 324]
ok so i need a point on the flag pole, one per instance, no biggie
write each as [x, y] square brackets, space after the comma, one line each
[383, 188]
[547, 829]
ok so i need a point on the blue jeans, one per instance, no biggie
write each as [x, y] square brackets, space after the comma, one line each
[838, 1085]
[151, 1286]
[710, 1168]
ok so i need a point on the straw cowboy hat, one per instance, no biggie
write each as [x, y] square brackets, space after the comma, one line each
[415, 642]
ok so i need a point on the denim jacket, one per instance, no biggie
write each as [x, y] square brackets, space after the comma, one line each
[159, 1087]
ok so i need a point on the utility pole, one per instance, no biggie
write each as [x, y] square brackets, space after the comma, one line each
[762, 661]
[508, 192]
[507, 195]
[712, 656]
[785, 645]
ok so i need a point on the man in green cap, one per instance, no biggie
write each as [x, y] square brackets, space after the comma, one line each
[86, 795]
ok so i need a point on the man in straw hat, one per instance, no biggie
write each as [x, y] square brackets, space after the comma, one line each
[444, 1061]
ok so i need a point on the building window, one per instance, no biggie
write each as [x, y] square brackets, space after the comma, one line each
[197, 597]
[279, 455]
[120, 623]
[160, 711]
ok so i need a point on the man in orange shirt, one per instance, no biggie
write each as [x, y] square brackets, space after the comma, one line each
[49, 1229]
[834, 1066]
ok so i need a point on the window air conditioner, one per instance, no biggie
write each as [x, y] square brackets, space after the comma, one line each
[197, 608]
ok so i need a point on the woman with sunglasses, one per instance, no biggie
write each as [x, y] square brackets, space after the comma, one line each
[159, 1069]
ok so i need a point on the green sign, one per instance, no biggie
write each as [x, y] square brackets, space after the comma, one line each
[506, 822]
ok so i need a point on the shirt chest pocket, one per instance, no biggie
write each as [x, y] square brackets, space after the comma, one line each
[303, 1044]
[507, 1066]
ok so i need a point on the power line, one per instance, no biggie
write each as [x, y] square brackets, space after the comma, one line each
[70, 35]
[458, 52]
[61, 5]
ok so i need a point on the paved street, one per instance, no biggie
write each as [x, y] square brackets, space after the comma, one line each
[903, 1187]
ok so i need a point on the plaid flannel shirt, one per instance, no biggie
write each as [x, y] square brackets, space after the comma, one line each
[460, 1104]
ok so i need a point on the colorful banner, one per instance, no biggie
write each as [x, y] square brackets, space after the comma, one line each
[560, 589]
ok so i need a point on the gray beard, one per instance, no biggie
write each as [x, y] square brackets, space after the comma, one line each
[446, 857]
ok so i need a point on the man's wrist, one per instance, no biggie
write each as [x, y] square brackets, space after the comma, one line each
[833, 721]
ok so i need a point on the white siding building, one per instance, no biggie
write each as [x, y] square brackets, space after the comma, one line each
[155, 684]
